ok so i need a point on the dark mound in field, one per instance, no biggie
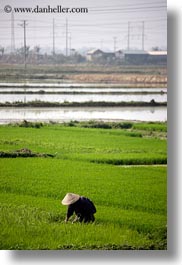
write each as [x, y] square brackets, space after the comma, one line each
[24, 152]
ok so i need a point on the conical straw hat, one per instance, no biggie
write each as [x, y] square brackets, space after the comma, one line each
[70, 198]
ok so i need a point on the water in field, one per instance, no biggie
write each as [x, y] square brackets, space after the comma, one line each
[75, 89]
[82, 98]
[67, 93]
[8, 115]
[71, 85]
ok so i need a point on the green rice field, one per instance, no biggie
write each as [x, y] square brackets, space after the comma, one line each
[122, 169]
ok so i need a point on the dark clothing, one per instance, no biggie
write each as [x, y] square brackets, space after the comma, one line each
[84, 210]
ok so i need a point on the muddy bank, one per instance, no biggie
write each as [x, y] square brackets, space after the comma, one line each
[152, 103]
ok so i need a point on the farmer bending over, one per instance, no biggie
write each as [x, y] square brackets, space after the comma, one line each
[83, 208]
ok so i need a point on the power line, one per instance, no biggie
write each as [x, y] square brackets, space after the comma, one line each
[66, 37]
[12, 33]
[53, 37]
[24, 24]
[128, 4]
[124, 12]
[87, 31]
[128, 9]
[143, 35]
[83, 24]
[70, 39]
[128, 36]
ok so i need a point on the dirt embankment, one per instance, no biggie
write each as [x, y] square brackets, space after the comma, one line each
[131, 76]
[119, 78]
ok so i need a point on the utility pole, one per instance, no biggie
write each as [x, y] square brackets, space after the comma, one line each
[53, 37]
[128, 36]
[25, 46]
[12, 33]
[66, 37]
[70, 44]
[115, 40]
[24, 24]
[143, 35]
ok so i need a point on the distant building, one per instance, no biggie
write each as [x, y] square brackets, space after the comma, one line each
[159, 57]
[145, 57]
[135, 57]
[109, 56]
[94, 54]
[129, 57]
[119, 54]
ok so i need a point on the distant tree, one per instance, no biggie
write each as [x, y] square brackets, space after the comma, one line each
[21, 50]
[156, 48]
[75, 58]
[37, 50]
[72, 52]
[27, 50]
[36, 53]
[2, 50]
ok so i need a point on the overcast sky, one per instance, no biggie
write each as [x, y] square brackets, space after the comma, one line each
[105, 26]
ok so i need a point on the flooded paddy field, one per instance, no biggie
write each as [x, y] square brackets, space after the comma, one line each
[8, 115]
[62, 93]
[82, 97]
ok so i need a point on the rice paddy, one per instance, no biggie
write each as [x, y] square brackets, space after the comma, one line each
[114, 167]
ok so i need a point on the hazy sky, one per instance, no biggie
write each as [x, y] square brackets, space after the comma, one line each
[105, 26]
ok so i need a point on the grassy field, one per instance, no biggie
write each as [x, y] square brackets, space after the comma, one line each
[122, 170]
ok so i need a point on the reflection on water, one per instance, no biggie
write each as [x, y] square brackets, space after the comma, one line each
[82, 98]
[66, 114]
[85, 90]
